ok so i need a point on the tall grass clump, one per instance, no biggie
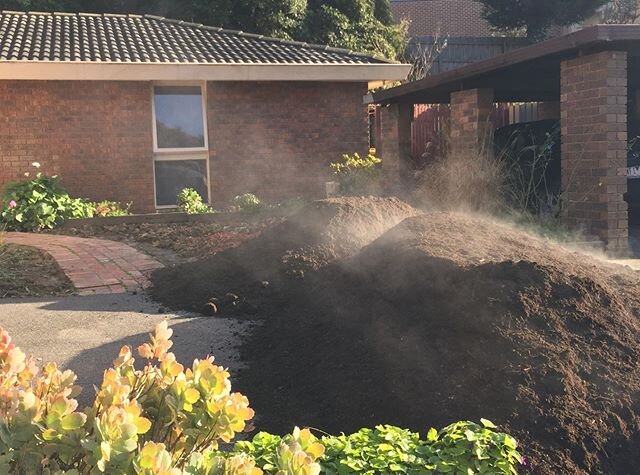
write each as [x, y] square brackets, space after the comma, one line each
[463, 180]
[515, 182]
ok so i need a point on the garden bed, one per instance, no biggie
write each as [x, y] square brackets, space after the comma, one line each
[29, 272]
[173, 242]
[221, 218]
[439, 318]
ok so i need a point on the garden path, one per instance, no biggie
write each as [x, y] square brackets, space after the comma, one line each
[94, 266]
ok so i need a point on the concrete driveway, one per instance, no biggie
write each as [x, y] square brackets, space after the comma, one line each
[85, 333]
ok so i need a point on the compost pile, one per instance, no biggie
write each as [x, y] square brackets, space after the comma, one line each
[420, 320]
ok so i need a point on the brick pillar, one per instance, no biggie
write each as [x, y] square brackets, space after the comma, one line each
[471, 127]
[594, 146]
[395, 147]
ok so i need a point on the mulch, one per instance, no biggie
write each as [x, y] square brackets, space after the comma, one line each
[29, 272]
[439, 317]
[173, 243]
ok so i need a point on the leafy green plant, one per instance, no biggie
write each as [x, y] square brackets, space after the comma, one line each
[466, 447]
[40, 203]
[357, 175]
[189, 201]
[247, 203]
[111, 208]
[383, 449]
[463, 447]
[292, 205]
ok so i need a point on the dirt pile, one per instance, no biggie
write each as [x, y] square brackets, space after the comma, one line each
[323, 232]
[335, 228]
[446, 317]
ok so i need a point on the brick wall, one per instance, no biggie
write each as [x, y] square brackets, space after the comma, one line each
[277, 139]
[274, 139]
[95, 135]
[471, 125]
[448, 17]
[594, 145]
[395, 146]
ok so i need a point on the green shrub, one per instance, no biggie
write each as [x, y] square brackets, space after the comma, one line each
[111, 208]
[40, 203]
[358, 176]
[247, 203]
[461, 448]
[190, 202]
[292, 205]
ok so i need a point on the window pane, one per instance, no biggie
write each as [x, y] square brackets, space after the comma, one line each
[179, 121]
[174, 176]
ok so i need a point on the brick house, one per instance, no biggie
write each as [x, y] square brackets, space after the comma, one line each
[588, 80]
[454, 18]
[135, 108]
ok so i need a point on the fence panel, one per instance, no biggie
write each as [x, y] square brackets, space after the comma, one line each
[431, 123]
[461, 51]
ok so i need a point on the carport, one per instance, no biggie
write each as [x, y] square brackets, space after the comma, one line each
[588, 79]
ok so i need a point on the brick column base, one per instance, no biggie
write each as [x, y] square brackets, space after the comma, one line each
[471, 126]
[594, 146]
[395, 147]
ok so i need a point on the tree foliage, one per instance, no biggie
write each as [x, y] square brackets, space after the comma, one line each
[278, 18]
[359, 25]
[382, 11]
[534, 17]
[622, 11]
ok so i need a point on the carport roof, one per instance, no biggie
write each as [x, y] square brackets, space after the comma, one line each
[527, 74]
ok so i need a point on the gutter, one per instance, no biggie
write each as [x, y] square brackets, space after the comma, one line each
[95, 71]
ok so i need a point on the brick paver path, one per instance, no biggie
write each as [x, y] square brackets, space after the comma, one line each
[95, 266]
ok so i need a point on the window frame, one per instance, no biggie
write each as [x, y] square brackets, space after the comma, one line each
[180, 154]
[203, 96]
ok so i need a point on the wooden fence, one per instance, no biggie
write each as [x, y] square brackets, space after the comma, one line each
[461, 51]
[431, 123]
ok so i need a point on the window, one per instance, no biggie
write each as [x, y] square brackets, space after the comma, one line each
[181, 158]
[172, 176]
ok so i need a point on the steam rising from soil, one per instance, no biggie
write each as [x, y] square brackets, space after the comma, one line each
[377, 313]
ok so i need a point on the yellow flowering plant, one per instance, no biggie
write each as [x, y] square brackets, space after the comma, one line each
[358, 175]
[161, 419]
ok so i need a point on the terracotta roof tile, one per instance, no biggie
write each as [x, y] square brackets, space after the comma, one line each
[36, 36]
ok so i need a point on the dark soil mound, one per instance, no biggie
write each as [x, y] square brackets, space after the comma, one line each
[446, 317]
[321, 233]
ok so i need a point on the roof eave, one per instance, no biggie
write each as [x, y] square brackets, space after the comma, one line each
[96, 71]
